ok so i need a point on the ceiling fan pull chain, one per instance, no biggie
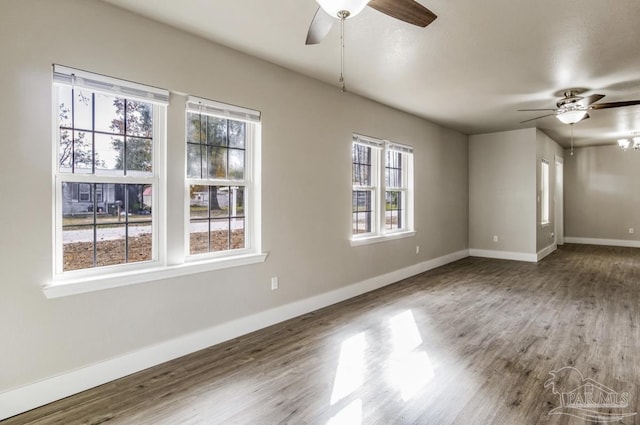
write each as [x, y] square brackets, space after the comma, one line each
[571, 139]
[341, 81]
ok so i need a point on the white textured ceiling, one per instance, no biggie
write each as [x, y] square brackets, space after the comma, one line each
[470, 70]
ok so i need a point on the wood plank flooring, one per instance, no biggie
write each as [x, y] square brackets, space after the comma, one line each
[469, 343]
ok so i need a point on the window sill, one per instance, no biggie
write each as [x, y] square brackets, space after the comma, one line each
[545, 224]
[382, 238]
[64, 287]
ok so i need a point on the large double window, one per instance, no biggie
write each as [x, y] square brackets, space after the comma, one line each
[382, 189]
[109, 182]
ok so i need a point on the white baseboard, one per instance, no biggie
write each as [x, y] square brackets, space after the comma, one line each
[504, 255]
[546, 251]
[54, 388]
[606, 242]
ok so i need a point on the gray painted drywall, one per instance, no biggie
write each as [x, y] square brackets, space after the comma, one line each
[502, 188]
[306, 199]
[602, 195]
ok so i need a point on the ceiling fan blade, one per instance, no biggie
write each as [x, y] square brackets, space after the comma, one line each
[591, 99]
[614, 104]
[586, 117]
[536, 118]
[408, 11]
[320, 27]
[533, 110]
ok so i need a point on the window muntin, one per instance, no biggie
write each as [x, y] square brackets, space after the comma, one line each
[545, 196]
[106, 138]
[219, 167]
[381, 188]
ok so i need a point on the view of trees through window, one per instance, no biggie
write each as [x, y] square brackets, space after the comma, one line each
[105, 222]
[216, 156]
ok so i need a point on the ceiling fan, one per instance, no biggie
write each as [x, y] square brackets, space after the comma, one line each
[329, 11]
[573, 108]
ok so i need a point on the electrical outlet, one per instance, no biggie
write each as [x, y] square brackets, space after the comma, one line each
[495, 238]
[417, 249]
[274, 283]
[631, 230]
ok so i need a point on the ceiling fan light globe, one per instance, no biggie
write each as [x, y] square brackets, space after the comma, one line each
[571, 117]
[624, 143]
[334, 7]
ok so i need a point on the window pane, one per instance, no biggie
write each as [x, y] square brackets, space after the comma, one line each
[219, 202]
[237, 131]
[139, 118]
[199, 201]
[217, 157]
[110, 244]
[196, 131]
[217, 131]
[361, 170]
[198, 237]
[65, 151]
[83, 153]
[362, 213]
[109, 151]
[236, 164]
[237, 233]
[219, 235]
[109, 114]
[77, 247]
[139, 156]
[64, 106]
[361, 222]
[140, 199]
[237, 201]
[194, 161]
[83, 109]
[393, 210]
[139, 242]
[393, 169]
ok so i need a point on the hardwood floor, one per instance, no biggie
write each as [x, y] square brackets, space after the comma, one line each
[469, 343]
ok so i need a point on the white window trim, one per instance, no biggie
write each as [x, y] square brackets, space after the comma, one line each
[101, 278]
[380, 234]
[545, 195]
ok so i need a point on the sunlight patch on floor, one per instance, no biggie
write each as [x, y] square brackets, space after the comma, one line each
[350, 415]
[410, 370]
[350, 372]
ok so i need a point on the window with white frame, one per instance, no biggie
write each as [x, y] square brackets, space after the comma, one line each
[382, 191]
[221, 144]
[108, 138]
[544, 185]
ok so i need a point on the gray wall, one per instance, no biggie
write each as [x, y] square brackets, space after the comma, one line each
[307, 129]
[502, 188]
[602, 193]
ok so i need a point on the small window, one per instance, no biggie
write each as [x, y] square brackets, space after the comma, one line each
[221, 142]
[545, 197]
[381, 188]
